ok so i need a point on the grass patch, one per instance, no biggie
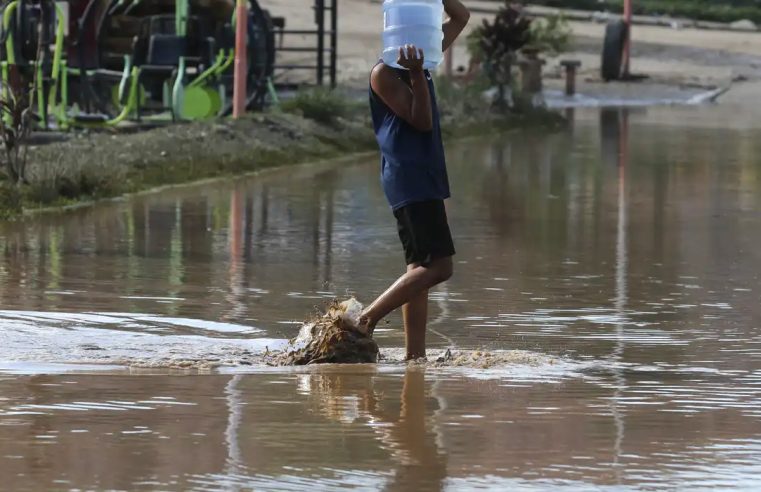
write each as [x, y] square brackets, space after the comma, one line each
[10, 201]
[322, 105]
[54, 181]
[461, 100]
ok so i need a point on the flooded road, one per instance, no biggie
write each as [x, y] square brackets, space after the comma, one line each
[619, 260]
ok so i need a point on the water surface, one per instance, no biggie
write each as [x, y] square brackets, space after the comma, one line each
[620, 256]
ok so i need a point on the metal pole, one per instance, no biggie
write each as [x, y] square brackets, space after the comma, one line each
[181, 17]
[570, 81]
[333, 41]
[627, 44]
[571, 66]
[320, 18]
[239, 75]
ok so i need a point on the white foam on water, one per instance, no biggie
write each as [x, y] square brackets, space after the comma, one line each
[35, 342]
[558, 100]
[201, 324]
[34, 368]
[50, 343]
[120, 319]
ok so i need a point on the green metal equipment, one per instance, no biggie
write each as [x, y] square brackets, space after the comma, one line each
[165, 65]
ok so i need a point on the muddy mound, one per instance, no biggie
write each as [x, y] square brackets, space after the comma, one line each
[332, 338]
[479, 359]
[469, 359]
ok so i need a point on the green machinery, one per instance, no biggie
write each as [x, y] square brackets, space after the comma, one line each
[174, 66]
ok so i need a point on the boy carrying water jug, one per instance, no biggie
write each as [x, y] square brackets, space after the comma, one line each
[414, 177]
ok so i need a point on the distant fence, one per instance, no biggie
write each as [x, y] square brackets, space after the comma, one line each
[325, 34]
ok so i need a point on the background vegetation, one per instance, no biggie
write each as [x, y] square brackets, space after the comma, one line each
[708, 10]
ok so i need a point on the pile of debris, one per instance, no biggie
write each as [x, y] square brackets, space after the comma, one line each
[332, 338]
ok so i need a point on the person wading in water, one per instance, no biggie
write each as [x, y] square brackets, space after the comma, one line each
[414, 176]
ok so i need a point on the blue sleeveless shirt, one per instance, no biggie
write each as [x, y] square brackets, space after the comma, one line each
[413, 168]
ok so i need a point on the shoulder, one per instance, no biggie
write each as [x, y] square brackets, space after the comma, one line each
[382, 78]
[382, 72]
[386, 79]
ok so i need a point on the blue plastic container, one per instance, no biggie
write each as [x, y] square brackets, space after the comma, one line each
[415, 22]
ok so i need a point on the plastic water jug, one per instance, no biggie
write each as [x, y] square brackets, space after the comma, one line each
[415, 22]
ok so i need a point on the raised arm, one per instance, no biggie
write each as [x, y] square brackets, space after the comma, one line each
[458, 18]
[411, 102]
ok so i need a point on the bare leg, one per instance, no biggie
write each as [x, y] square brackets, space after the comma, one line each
[417, 280]
[415, 315]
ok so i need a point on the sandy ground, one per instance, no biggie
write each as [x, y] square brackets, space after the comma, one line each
[676, 57]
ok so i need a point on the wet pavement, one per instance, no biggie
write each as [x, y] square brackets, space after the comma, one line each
[619, 257]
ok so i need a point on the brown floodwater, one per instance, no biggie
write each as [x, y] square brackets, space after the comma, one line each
[611, 269]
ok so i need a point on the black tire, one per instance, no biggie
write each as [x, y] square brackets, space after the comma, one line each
[261, 44]
[616, 34]
[261, 35]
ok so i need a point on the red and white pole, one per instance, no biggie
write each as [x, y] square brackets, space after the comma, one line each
[241, 68]
[628, 43]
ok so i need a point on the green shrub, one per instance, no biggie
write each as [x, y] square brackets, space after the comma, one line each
[10, 200]
[462, 99]
[551, 35]
[473, 42]
[322, 105]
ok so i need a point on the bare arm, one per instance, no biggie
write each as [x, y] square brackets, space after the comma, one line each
[459, 15]
[411, 102]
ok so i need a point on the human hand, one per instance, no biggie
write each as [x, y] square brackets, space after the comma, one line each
[411, 58]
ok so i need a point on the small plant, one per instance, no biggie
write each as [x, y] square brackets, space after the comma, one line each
[551, 35]
[321, 104]
[497, 44]
[15, 127]
[16, 119]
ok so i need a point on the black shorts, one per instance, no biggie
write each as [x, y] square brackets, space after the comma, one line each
[424, 231]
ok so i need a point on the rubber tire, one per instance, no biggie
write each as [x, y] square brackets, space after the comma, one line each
[616, 34]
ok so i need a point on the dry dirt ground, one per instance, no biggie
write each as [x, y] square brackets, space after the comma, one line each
[676, 57]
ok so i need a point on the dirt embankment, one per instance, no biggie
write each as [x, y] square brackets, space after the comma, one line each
[86, 167]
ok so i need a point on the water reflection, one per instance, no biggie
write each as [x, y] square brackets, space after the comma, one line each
[234, 410]
[616, 136]
[367, 428]
[407, 429]
[238, 223]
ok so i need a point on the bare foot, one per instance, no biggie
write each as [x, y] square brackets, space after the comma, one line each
[366, 326]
